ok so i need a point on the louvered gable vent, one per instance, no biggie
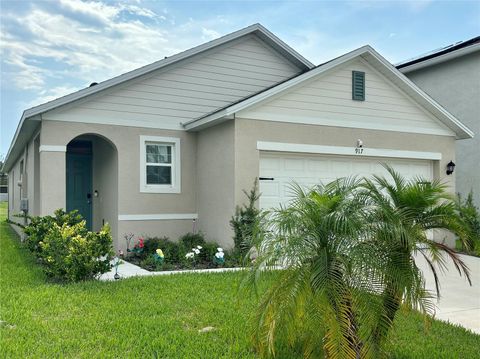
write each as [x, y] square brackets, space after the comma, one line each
[358, 85]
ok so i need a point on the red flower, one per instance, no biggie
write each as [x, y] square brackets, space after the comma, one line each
[140, 243]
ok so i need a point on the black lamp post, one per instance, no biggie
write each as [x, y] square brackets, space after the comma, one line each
[450, 167]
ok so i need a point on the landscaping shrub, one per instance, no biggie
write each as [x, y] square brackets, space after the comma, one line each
[67, 250]
[151, 264]
[173, 251]
[191, 240]
[175, 254]
[470, 216]
[208, 251]
[39, 226]
[244, 220]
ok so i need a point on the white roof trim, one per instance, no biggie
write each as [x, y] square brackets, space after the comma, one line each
[346, 151]
[441, 58]
[263, 32]
[368, 53]
[258, 29]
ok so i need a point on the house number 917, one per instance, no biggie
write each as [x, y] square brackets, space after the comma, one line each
[358, 151]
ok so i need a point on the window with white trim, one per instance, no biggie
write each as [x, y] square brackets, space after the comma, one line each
[160, 164]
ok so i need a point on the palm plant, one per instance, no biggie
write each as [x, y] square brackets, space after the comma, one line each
[402, 215]
[326, 287]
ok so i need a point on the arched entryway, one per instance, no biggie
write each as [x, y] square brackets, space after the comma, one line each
[92, 180]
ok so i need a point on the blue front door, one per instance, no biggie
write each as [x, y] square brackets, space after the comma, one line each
[79, 185]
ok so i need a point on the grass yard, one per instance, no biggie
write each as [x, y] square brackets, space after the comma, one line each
[158, 317]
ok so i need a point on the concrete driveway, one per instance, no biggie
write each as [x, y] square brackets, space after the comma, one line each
[459, 302]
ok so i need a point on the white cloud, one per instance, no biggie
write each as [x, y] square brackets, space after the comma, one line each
[91, 41]
[50, 95]
[94, 9]
[209, 34]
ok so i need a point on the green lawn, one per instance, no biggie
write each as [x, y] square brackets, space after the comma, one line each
[158, 317]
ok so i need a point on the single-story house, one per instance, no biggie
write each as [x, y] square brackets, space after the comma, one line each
[451, 76]
[171, 146]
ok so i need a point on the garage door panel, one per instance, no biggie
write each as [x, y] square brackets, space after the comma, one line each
[310, 170]
[318, 166]
[422, 171]
[270, 163]
[341, 167]
[362, 168]
[271, 189]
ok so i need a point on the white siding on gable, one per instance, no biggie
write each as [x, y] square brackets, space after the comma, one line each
[327, 100]
[187, 90]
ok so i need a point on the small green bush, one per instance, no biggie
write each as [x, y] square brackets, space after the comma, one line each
[244, 220]
[150, 263]
[191, 240]
[39, 226]
[175, 253]
[72, 253]
[470, 216]
[208, 251]
[65, 247]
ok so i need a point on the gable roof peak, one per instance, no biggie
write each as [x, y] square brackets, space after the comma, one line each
[255, 29]
[370, 55]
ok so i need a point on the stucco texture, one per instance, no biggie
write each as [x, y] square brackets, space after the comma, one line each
[248, 132]
[455, 84]
[217, 164]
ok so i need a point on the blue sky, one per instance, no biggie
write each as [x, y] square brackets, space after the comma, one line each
[51, 48]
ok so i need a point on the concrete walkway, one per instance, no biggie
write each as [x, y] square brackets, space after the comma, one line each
[127, 270]
[459, 302]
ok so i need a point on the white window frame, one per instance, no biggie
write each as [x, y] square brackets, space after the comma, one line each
[175, 187]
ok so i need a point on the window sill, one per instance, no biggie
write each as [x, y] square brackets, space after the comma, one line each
[159, 189]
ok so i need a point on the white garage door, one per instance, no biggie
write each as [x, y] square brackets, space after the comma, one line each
[279, 170]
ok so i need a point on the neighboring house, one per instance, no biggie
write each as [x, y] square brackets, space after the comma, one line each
[451, 76]
[3, 186]
[177, 141]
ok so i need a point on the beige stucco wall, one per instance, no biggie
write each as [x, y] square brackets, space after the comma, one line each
[52, 181]
[217, 164]
[127, 141]
[455, 84]
[35, 208]
[30, 181]
[172, 229]
[248, 132]
[216, 181]
[130, 199]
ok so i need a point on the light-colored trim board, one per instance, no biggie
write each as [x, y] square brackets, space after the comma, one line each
[437, 59]
[323, 121]
[161, 125]
[346, 151]
[52, 148]
[157, 217]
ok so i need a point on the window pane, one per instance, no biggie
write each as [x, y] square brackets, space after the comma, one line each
[159, 175]
[159, 153]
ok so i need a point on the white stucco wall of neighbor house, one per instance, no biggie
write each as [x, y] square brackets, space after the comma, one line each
[455, 84]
